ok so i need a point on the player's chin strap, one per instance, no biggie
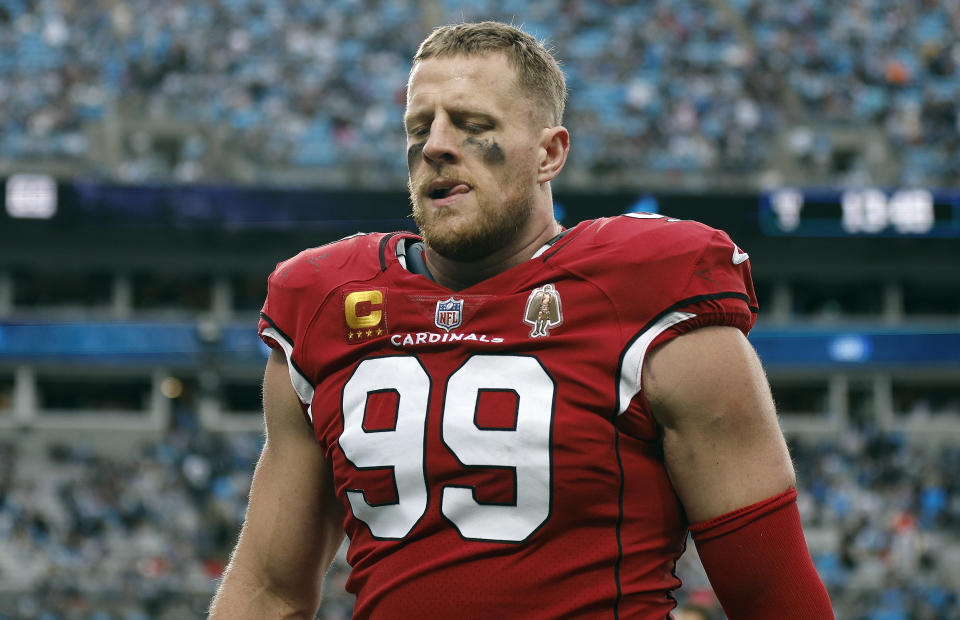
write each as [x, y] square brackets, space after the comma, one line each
[410, 254]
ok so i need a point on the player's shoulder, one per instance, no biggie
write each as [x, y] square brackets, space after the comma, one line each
[642, 235]
[357, 257]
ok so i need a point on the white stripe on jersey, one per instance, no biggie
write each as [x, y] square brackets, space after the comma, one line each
[300, 383]
[629, 383]
[543, 248]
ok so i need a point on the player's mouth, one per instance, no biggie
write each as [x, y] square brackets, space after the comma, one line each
[446, 192]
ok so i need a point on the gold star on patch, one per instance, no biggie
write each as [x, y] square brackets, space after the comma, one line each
[379, 332]
[369, 333]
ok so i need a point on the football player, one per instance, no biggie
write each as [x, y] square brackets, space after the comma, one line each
[484, 469]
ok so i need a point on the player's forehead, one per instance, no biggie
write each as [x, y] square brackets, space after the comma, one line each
[464, 80]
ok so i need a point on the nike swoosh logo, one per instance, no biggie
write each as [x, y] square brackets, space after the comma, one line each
[738, 256]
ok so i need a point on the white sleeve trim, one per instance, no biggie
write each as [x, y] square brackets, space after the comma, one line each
[301, 385]
[629, 383]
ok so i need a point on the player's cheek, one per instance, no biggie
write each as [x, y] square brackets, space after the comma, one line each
[414, 155]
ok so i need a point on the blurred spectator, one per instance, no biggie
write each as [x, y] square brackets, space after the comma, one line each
[147, 536]
[219, 89]
[692, 612]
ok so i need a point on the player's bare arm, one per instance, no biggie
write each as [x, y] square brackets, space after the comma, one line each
[722, 442]
[293, 525]
[728, 462]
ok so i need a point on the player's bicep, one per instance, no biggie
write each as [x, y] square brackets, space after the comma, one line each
[294, 522]
[722, 441]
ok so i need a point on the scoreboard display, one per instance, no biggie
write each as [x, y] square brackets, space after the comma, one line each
[867, 212]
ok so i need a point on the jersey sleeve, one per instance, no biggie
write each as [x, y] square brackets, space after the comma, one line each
[704, 280]
[718, 291]
[285, 319]
[297, 291]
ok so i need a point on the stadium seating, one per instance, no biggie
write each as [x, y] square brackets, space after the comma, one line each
[734, 92]
[129, 396]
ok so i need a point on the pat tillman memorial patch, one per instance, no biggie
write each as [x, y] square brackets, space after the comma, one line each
[543, 311]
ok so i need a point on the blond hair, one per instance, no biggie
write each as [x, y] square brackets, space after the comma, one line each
[538, 72]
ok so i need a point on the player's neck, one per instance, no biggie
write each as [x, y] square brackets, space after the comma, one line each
[457, 275]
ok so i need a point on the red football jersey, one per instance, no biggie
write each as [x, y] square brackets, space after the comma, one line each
[492, 446]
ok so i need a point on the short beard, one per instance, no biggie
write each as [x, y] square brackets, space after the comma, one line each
[472, 240]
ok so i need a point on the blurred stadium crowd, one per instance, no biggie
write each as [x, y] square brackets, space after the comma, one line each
[92, 537]
[286, 91]
[225, 89]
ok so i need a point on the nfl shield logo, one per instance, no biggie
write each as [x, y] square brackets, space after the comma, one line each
[449, 314]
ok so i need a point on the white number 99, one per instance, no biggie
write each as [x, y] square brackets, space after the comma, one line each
[525, 448]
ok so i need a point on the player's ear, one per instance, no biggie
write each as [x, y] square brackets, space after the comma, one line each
[554, 146]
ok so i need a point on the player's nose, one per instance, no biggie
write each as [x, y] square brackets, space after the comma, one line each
[441, 145]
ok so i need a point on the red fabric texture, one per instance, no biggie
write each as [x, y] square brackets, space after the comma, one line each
[757, 560]
[612, 529]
